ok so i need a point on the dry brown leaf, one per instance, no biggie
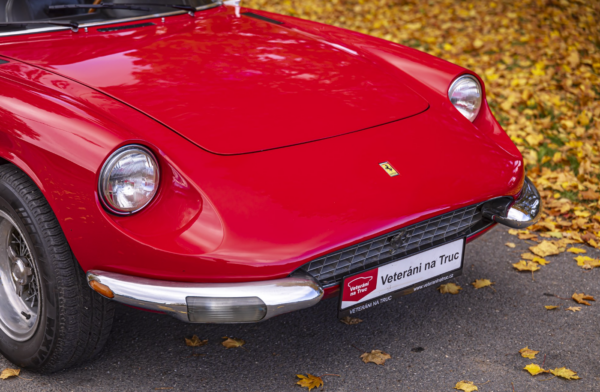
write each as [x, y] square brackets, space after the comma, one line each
[376, 356]
[545, 248]
[309, 381]
[551, 307]
[534, 369]
[526, 266]
[467, 386]
[528, 353]
[8, 373]
[565, 373]
[232, 342]
[479, 283]
[195, 341]
[589, 195]
[582, 299]
[574, 308]
[510, 244]
[350, 320]
[449, 288]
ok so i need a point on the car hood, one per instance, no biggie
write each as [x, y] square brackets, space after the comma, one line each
[230, 84]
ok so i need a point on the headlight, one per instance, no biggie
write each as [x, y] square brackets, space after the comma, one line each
[129, 179]
[465, 95]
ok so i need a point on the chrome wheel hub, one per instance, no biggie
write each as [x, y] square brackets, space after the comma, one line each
[21, 274]
[20, 295]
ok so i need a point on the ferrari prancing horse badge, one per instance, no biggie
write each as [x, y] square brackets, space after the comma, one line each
[389, 169]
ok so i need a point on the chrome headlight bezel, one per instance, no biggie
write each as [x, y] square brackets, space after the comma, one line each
[467, 78]
[108, 167]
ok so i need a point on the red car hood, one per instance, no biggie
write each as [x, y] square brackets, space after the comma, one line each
[229, 84]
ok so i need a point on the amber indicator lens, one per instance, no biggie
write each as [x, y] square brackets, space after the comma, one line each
[101, 289]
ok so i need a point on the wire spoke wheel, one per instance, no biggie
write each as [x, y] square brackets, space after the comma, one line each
[20, 294]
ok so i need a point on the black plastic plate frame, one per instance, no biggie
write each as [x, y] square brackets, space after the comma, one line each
[353, 310]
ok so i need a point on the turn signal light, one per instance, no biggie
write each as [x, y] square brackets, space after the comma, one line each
[225, 310]
[101, 289]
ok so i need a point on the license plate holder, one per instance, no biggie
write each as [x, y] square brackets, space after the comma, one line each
[380, 284]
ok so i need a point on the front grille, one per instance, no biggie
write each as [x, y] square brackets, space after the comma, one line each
[331, 268]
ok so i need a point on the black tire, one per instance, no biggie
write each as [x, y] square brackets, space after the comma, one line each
[74, 321]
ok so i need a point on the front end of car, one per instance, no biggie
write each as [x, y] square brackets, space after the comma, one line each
[301, 226]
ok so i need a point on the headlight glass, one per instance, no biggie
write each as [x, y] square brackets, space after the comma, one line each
[465, 95]
[129, 179]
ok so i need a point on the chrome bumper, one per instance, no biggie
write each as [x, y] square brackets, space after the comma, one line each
[525, 211]
[177, 299]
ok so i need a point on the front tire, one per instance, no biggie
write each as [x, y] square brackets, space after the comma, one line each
[49, 318]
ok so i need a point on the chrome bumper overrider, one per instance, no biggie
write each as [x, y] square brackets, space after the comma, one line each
[211, 301]
[525, 211]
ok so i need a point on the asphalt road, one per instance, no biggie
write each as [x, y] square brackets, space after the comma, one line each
[475, 336]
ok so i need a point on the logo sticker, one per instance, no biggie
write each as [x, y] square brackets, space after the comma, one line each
[389, 169]
[360, 286]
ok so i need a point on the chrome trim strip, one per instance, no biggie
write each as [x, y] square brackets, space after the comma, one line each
[112, 21]
[524, 212]
[280, 295]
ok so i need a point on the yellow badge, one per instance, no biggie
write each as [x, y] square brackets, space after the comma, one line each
[389, 169]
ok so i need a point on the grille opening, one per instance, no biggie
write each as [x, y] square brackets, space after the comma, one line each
[330, 269]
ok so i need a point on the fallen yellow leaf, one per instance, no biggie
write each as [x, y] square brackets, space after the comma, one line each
[309, 381]
[574, 308]
[581, 298]
[526, 266]
[528, 353]
[8, 373]
[232, 342]
[195, 341]
[466, 386]
[565, 373]
[513, 231]
[528, 236]
[534, 369]
[587, 262]
[510, 244]
[545, 248]
[551, 307]
[350, 320]
[449, 288]
[479, 283]
[540, 260]
[528, 256]
[576, 250]
[376, 356]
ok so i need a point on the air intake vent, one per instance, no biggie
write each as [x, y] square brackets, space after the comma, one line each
[330, 269]
[263, 18]
[132, 26]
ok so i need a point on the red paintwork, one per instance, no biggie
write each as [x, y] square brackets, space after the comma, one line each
[265, 85]
[220, 218]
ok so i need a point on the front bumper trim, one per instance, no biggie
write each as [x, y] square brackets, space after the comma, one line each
[524, 212]
[278, 295]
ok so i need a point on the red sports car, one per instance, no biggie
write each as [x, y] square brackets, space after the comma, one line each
[225, 165]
